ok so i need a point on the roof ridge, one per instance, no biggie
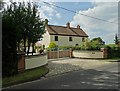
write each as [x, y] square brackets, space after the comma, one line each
[62, 30]
[62, 26]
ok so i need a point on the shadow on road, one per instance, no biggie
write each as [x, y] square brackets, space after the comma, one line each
[82, 78]
[93, 79]
[79, 79]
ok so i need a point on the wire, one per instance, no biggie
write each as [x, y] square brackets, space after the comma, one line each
[79, 13]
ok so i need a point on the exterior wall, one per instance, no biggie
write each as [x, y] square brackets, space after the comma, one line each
[36, 61]
[88, 54]
[46, 39]
[64, 40]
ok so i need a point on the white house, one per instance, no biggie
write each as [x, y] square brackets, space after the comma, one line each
[63, 35]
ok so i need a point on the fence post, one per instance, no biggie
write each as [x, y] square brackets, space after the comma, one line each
[71, 52]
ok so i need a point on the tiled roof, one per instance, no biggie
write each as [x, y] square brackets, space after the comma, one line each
[65, 31]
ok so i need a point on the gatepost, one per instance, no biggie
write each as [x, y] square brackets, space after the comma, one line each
[71, 53]
[105, 54]
[21, 61]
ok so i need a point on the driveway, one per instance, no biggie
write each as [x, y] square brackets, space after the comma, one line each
[64, 65]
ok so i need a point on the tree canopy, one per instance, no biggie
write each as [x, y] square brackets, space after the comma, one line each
[116, 39]
[21, 24]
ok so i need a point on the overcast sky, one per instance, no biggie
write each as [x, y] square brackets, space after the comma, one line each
[102, 9]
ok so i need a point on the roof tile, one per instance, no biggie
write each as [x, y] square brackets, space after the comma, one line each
[61, 30]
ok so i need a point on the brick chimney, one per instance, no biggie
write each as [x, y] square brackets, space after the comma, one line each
[78, 26]
[68, 25]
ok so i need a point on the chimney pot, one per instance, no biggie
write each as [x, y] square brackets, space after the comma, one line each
[78, 26]
[68, 25]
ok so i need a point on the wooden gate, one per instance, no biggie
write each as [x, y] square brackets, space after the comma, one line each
[59, 54]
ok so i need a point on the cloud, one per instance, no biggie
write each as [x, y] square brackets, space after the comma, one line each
[45, 11]
[96, 28]
[58, 15]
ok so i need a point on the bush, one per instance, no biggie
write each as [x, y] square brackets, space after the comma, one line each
[52, 45]
[64, 47]
[113, 50]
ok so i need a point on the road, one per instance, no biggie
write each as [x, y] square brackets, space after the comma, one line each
[104, 77]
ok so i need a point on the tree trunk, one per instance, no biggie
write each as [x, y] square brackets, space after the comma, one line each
[25, 45]
[33, 50]
[18, 45]
[28, 47]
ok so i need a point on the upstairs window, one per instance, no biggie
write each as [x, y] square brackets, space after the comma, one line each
[83, 39]
[70, 38]
[56, 38]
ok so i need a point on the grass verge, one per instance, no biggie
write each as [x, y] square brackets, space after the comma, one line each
[25, 76]
[114, 59]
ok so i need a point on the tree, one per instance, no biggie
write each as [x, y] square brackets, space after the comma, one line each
[1, 4]
[96, 43]
[98, 40]
[116, 39]
[34, 27]
[9, 44]
[86, 45]
[20, 24]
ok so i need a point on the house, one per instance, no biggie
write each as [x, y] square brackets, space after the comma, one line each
[63, 35]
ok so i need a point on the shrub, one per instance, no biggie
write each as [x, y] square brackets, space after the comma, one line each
[64, 47]
[52, 45]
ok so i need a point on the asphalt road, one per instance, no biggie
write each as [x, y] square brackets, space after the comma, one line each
[104, 77]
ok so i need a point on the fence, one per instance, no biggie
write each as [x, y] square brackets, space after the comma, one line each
[52, 54]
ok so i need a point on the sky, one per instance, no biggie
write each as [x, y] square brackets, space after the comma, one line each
[105, 10]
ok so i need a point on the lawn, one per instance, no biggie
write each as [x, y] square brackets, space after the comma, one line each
[25, 76]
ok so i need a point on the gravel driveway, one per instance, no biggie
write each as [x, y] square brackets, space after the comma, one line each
[63, 65]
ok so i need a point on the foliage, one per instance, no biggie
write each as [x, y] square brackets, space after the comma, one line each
[116, 39]
[29, 27]
[65, 47]
[112, 45]
[52, 45]
[98, 40]
[86, 45]
[9, 44]
[20, 24]
[94, 44]
[113, 50]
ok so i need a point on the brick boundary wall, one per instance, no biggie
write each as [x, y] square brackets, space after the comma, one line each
[53, 55]
[69, 53]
